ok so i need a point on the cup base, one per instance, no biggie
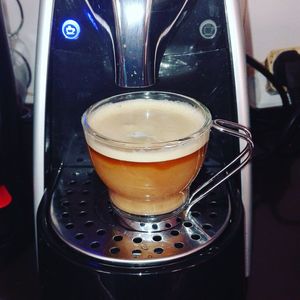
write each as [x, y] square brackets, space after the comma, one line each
[153, 207]
[150, 223]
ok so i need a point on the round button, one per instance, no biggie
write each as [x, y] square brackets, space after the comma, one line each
[208, 29]
[70, 29]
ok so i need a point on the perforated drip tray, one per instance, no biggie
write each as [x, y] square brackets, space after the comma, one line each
[81, 216]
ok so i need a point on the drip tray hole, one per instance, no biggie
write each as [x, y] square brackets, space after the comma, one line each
[89, 223]
[70, 226]
[158, 250]
[137, 240]
[207, 226]
[136, 252]
[195, 237]
[79, 236]
[101, 232]
[157, 238]
[114, 250]
[94, 245]
[117, 238]
[178, 245]
[187, 224]
[66, 203]
[213, 215]
[174, 232]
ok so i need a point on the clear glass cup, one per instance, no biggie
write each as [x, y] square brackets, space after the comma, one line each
[148, 147]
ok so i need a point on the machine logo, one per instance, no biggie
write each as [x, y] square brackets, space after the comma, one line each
[70, 29]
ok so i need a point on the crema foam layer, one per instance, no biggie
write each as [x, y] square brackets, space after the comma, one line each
[142, 125]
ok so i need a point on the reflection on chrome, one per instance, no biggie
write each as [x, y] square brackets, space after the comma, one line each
[137, 30]
[176, 66]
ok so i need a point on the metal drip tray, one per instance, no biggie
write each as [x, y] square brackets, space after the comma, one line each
[81, 216]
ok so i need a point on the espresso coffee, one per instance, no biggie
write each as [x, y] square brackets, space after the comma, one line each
[147, 152]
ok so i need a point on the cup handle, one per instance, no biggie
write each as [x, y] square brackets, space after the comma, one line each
[235, 165]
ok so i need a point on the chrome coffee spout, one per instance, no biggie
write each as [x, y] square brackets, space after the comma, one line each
[140, 28]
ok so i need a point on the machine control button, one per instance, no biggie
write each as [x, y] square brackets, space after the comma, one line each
[70, 29]
[208, 29]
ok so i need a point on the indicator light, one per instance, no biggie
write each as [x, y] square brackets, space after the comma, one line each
[70, 29]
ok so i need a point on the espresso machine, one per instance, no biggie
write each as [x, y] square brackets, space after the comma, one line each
[90, 50]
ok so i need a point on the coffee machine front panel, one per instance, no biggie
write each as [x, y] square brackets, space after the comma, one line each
[82, 67]
[187, 47]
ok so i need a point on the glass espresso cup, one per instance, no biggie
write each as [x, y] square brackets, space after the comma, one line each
[147, 148]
